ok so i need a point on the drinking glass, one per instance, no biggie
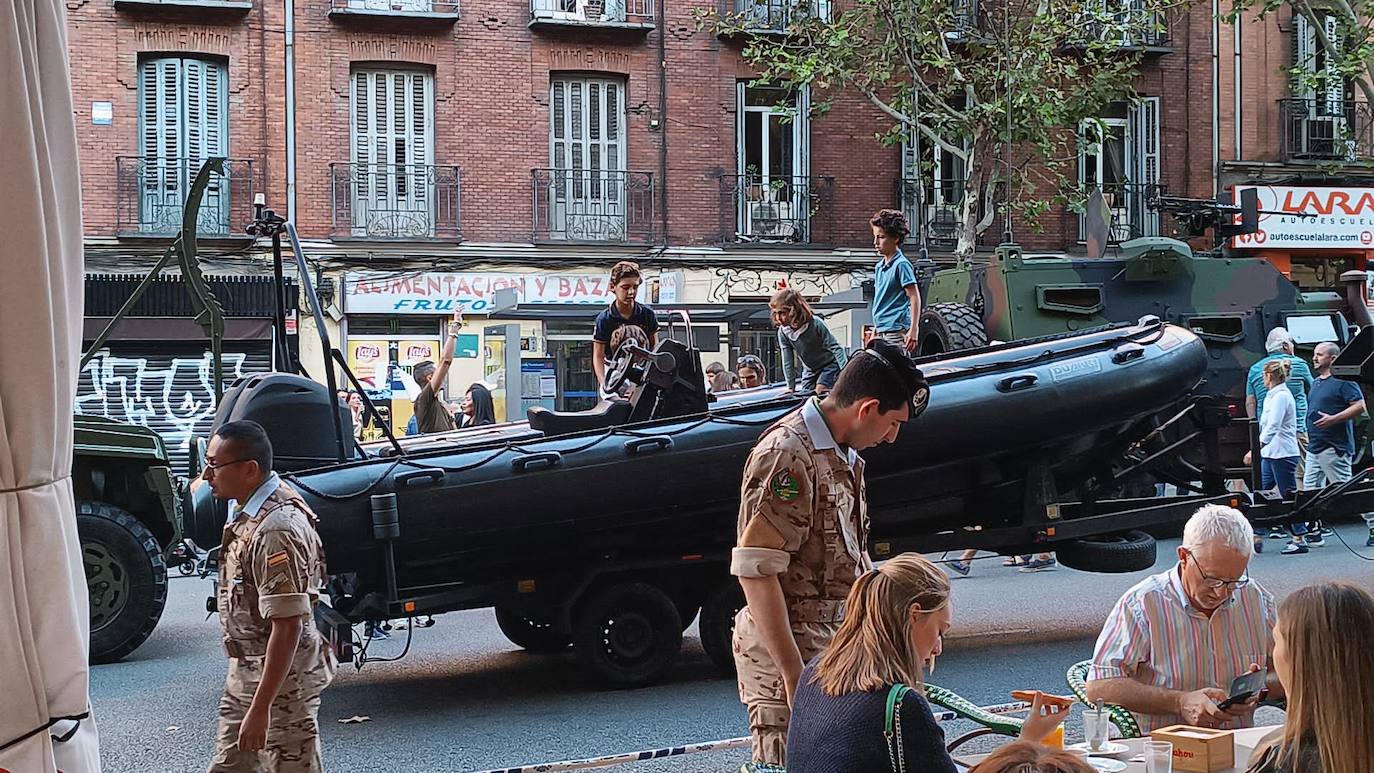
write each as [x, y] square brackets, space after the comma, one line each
[1095, 727]
[1159, 757]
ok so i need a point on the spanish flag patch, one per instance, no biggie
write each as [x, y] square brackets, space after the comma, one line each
[277, 559]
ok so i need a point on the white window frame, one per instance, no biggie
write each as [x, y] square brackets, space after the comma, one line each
[1140, 166]
[587, 195]
[394, 191]
[761, 212]
[940, 160]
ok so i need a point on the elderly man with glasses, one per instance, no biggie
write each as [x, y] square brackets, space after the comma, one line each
[1172, 645]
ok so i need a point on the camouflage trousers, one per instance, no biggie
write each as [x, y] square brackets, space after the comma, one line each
[760, 682]
[293, 735]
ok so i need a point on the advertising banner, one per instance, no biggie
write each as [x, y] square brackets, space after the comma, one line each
[368, 292]
[1344, 218]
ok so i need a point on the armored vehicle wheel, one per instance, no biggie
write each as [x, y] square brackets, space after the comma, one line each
[530, 634]
[1129, 551]
[718, 624]
[949, 327]
[628, 634]
[126, 579]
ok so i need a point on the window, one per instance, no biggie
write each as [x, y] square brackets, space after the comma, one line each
[1119, 155]
[393, 174]
[938, 184]
[587, 154]
[1319, 112]
[183, 120]
[772, 163]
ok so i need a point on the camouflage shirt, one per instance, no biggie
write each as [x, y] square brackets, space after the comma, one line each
[811, 492]
[271, 565]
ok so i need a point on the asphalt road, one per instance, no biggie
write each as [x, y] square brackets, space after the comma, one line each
[466, 699]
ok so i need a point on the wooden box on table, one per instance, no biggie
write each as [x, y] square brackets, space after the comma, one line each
[1199, 749]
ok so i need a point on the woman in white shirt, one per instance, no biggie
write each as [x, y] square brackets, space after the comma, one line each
[1279, 444]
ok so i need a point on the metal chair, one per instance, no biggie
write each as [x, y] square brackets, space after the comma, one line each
[1077, 677]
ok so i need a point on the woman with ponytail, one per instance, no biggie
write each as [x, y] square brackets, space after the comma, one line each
[894, 626]
[1279, 451]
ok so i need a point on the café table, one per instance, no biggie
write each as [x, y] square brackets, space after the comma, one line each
[1245, 741]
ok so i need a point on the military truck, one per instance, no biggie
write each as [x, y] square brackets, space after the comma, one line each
[128, 517]
[1230, 302]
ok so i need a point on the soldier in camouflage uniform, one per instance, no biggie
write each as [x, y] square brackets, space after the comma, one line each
[803, 530]
[271, 567]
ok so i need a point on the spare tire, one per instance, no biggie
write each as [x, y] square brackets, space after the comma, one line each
[1130, 551]
[950, 327]
[126, 579]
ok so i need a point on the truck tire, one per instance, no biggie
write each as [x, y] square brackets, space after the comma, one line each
[628, 634]
[530, 634]
[949, 327]
[1129, 551]
[126, 579]
[717, 627]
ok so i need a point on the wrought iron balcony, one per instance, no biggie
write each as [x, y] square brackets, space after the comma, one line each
[150, 194]
[593, 205]
[623, 14]
[437, 10]
[777, 210]
[1128, 204]
[778, 15]
[935, 207]
[1338, 130]
[396, 201]
[221, 7]
[1125, 23]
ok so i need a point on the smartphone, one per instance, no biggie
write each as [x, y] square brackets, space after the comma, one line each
[1243, 687]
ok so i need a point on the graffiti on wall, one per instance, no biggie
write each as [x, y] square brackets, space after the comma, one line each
[169, 395]
[748, 282]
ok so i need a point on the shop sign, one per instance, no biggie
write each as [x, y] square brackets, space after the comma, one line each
[1344, 218]
[368, 292]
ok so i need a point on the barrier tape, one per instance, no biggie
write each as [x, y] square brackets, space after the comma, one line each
[697, 748]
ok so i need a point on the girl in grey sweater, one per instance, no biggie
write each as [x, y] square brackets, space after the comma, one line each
[804, 335]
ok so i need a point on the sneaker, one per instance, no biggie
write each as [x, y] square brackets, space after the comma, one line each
[1293, 549]
[1038, 565]
[1259, 545]
[1276, 532]
[1369, 543]
[376, 632]
[1327, 531]
[1016, 560]
[961, 567]
[1315, 540]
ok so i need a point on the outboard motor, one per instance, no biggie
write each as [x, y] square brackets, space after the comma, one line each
[295, 411]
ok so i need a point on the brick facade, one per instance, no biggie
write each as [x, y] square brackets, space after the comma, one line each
[491, 105]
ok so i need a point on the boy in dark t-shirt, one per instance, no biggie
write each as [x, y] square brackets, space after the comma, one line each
[624, 310]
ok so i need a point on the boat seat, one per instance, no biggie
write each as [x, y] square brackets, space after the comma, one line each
[607, 413]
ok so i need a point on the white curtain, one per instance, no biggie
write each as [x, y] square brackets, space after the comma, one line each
[43, 616]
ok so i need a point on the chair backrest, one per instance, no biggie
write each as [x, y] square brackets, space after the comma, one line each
[1077, 677]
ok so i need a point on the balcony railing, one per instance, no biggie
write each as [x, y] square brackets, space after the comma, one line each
[937, 209]
[778, 210]
[396, 201]
[1128, 205]
[150, 195]
[593, 205]
[1125, 23]
[437, 9]
[1327, 130]
[778, 15]
[637, 13]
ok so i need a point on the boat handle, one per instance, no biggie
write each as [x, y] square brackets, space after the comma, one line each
[655, 443]
[536, 461]
[1127, 353]
[426, 477]
[1015, 383]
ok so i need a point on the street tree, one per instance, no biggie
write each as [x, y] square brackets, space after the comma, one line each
[1001, 87]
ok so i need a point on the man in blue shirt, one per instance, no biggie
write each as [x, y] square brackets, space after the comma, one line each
[896, 299]
[1333, 406]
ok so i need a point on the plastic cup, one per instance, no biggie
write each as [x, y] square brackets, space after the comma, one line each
[1055, 740]
[1159, 757]
[1095, 728]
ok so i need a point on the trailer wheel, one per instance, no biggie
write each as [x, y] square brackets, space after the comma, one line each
[1129, 551]
[717, 627]
[950, 327]
[628, 634]
[530, 634]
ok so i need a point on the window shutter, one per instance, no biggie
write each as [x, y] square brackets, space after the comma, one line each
[1145, 166]
[393, 150]
[1334, 82]
[184, 122]
[1304, 53]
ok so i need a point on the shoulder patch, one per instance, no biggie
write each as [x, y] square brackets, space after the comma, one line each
[785, 487]
[277, 559]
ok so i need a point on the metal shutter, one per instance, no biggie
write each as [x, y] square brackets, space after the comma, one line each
[164, 386]
[184, 117]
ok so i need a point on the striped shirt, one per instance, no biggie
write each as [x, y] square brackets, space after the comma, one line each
[1155, 636]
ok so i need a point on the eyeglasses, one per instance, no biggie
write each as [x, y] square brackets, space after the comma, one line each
[1213, 583]
[216, 467]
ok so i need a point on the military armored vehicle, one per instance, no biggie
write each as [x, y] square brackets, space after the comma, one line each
[128, 517]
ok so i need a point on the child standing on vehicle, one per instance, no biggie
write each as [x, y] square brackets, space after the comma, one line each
[805, 335]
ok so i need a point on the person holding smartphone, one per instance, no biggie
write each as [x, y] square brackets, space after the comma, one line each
[431, 415]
